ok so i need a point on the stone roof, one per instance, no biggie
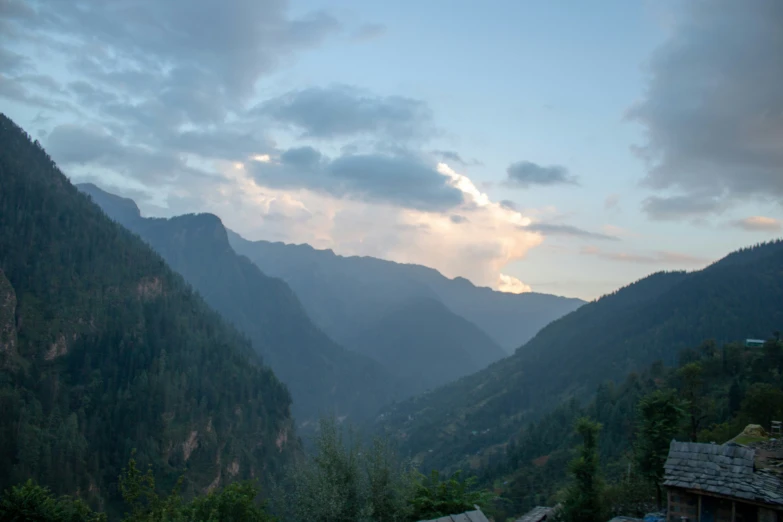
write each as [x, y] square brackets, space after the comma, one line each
[727, 470]
[468, 516]
[537, 514]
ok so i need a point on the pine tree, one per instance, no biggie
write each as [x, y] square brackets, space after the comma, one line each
[583, 500]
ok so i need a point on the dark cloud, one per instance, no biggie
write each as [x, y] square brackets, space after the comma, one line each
[301, 157]
[654, 258]
[508, 204]
[457, 219]
[72, 145]
[673, 208]
[369, 32]
[343, 111]
[11, 62]
[226, 144]
[233, 43]
[524, 174]
[552, 229]
[13, 88]
[450, 155]
[403, 181]
[86, 94]
[157, 66]
[713, 109]
[758, 224]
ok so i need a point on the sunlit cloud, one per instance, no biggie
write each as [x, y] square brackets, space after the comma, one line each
[511, 284]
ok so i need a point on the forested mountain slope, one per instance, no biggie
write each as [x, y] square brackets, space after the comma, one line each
[324, 378]
[104, 349]
[347, 295]
[652, 319]
[427, 345]
[721, 388]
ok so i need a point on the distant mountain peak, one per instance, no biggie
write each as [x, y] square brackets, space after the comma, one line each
[122, 210]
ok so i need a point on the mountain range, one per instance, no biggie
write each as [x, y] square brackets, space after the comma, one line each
[324, 378]
[344, 295]
[653, 319]
[401, 336]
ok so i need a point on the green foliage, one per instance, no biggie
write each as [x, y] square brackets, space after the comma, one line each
[660, 415]
[631, 496]
[234, 503]
[435, 496]
[30, 502]
[583, 499]
[638, 425]
[111, 350]
[346, 481]
[763, 403]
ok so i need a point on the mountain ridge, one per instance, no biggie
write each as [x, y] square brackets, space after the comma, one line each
[107, 351]
[338, 301]
[324, 378]
[622, 332]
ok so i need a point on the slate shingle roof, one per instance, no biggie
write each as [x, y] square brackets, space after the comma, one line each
[536, 514]
[721, 469]
[468, 516]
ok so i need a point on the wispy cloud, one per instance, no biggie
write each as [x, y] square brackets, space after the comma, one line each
[552, 229]
[659, 257]
[525, 174]
[758, 224]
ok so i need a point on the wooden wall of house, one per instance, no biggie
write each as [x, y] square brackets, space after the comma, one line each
[682, 504]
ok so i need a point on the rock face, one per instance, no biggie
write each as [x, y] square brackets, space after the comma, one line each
[7, 320]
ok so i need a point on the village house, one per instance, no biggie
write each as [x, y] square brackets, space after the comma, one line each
[537, 514]
[469, 516]
[724, 483]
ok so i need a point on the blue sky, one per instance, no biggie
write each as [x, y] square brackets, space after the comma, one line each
[630, 137]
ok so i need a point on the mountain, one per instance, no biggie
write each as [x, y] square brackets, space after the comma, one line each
[104, 349]
[426, 344]
[346, 295]
[323, 377]
[653, 319]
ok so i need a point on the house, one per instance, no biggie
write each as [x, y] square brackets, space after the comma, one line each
[722, 483]
[468, 516]
[537, 514]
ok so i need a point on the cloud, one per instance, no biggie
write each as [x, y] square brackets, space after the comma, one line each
[551, 229]
[477, 248]
[73, 145]
[342, 111]
[369, 32]
[508, 204]
[453, 157]
[405, 181]
[758, 224]
[11, 62]
[158, 98]
[14, 89]
[713, 108]
[525, 174]
[692, 206]
[152, 66]
[654, 258]
[511, 284]
[612, 201]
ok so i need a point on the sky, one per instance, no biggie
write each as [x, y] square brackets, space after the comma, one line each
[559, 147]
